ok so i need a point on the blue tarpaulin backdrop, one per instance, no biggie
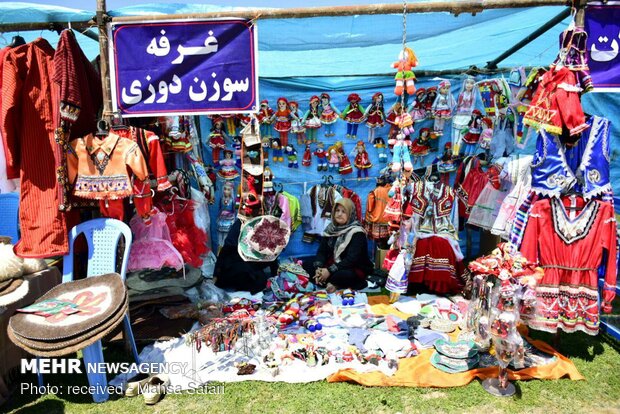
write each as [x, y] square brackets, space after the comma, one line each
[299, 58]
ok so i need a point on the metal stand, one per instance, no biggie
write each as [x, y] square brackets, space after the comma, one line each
[492, 386]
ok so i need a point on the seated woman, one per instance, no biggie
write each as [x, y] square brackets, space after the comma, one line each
[342, 259]
[232, 272]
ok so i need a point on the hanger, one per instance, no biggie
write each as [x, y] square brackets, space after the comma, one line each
[17, 41]
[103, 128]
[327, 181]
[278, 187]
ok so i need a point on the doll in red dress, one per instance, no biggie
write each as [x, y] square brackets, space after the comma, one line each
[283, 119]
[307, 158]
[216, 139]
[421, 146]
[362, 161]
[344, 167]
[312, 118]
[353, 114]
[375, 115]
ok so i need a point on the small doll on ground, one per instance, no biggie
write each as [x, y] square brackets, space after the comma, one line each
[417, 109]
[379, 144]
[216, 139]
[405, 78]
[312, 118]
[329, 114]
[291, 155]
[353, 114]
[465, 104]
[297, 125]
[321, 157]
[227, 169]
[375, 115]
[226, 216]
[362, 161]
[443, 106]
[421, 146]
[283, 119]
[276, 150]
[307, 158]
[265, 118]
[472, 134]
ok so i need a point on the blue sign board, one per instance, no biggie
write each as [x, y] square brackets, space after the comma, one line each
[602, 24]
[184, 67]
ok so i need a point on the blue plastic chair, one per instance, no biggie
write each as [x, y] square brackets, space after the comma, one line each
[102, 236]
[9, 216]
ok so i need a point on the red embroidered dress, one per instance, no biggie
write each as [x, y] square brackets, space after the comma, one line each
[570, 251]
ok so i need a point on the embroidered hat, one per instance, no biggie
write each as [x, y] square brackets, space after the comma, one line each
[354, 98]
[314, 98]
[376, 95]
[293, 103]
[444, 84]
[13, 292]
[264, 102]
[263, 238]
[459, 350]
[98, 299]
[453, 365]
[325, 95]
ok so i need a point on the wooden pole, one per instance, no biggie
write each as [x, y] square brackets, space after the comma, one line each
[455, 7]
[102, 19]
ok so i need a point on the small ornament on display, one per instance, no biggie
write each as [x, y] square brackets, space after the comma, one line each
[237, 150]
[348, 297]
[379, 144]
[265, 118]
[321, 156]
[374, 115]
[421, 146]
[353, 115]
[405, 78]
[216, 139]
[291, 155]
[443, 106]
[329, 114]
[268, 178]
[362, 161]
[226, 216]
[334, 160]
[312, 118]
[283, 118]
[297, 125]
[344, 166]
[307, 158]
[312, 325]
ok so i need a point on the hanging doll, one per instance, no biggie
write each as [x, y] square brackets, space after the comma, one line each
[283, 119]
[353, 114]
[231, 124]
[329, 114]
[464, 107]
[226, 216]
[297, 125]
[403, 242]
[237, 150]
[265, 118]
[227, 169]
[443, 106]
[472, 136]
[216, 139]
[445, 164]
[312, 118]
[321, 157]
[334, 160]
[291, 155]
[307, 158]
[379, 144]
[429, 100]
[417, 109]
[362, 161]
[405, 123]
[400, 156]
[487, 134]
[265, 145]
[250, 200]
[276, 150]
[405, 78]
[375, 115]
[421, 146]
[268, 178]
[344, 166]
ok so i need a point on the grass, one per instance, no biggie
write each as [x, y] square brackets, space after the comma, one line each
[597, 358]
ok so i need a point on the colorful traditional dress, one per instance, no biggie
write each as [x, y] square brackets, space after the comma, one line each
[569, 245]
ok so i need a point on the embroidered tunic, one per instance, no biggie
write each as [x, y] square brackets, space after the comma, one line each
[99, 169]
[570, 250]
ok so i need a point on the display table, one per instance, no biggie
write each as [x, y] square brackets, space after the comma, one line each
[10, 354]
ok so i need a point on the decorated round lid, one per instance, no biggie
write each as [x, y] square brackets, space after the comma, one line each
[460, 349]
[263, 238]
[96, 299]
